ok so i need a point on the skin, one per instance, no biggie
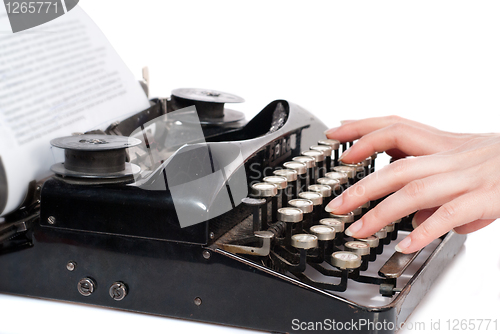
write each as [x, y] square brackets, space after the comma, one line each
[451, 179]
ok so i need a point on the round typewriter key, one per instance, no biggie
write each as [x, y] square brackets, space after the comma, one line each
[291, 176]
[263, 189]
[304, 241]
[324, 190]
[290, 215]
[372, 162]
[382, 234]
[390, 227]
[360, 170]
[340, 176]
[309, 161]
[332, 183]
[346, 218]
[357, 212]
[303, 204]
[394, 234]
[319, 157]
[350, 171]
[281, 183]
[299, 167]
[314, 197]
[307, 208]
[258, 206]
[372, 241]
[346, 260]
[327, 151]
[336, 224]
[323, 232]
[310, 164]
[358, 247]
[334, 144]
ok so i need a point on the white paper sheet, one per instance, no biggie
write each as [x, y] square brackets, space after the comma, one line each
[56, 79]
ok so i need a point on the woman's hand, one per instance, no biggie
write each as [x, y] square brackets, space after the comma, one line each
[453, 180]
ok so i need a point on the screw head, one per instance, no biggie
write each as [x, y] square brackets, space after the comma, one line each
[51, 220]
[86, 286]
[212, 235]
[206, 254]
[197, 301]
[118, 291]
[71, 265]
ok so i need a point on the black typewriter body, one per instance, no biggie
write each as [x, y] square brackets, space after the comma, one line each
[122, 247]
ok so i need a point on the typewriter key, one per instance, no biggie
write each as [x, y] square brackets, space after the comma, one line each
[310, 164]
[350, 171]
[382, 235]
[334, 144]
[267, 191]
[258, 205]
[372, 162]
[358, 247]
[373, 242]
[301, 170]
[319, 157]
[360, 170]
[307, 208]
[396, 229]
[336, 224]
[346, 218]
[304, 241]
[341, 177]
[314, 197]
[346, 260]
[325, 191]
[290, 216]
[334, 184]
[281, 183]
[323, 232]
[366, 207]
[291, 177]
[327, 151]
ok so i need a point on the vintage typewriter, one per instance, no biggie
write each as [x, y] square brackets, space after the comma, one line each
[188, 211]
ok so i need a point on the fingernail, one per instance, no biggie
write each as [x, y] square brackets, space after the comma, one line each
[414, 221]
[403, 245]
[355, 227]
[346, 121]
[332, 130]
[334, 205]
[345, 153]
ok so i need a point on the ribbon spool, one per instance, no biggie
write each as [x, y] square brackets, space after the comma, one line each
[96, 157]
[209, 105]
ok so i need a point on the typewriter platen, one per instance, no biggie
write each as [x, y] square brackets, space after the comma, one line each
[229, 228]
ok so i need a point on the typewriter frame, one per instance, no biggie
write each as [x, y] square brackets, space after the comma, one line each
[173, 275]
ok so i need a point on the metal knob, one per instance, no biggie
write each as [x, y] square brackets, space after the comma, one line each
[323, 232]
[372, 241]
[263, 189]
[340, 176]
[358, 247]
[334, 144]
[290, 215]
[326, 149]
[304, 241]
[314, 197]
[346, 260]
[350, 171]
[118, 291]
[324, 190]
[334, 184]
[289, 174]
[280, 181]
[303, 204]
[317, 155]
[299, 167]
[86, 286]
[336, 224]
[309, 161]
[347, 218]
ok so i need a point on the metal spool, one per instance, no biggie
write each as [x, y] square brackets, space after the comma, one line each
[209, 105]
[96, 157]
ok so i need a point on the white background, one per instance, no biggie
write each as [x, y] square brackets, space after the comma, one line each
[432, 61]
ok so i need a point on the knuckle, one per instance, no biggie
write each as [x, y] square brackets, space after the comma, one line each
[399, 127]
[396, 118]
[446, 212]
[399, 167]
[414, 188]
